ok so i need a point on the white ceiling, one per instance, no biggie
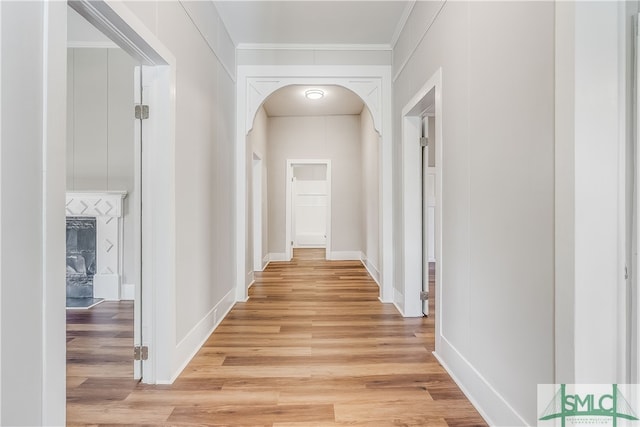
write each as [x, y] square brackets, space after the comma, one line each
[290, 23]
[313, 22]
[360, 24]
[290, 101]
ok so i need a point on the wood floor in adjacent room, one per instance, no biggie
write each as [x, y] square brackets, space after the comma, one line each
[313, 346]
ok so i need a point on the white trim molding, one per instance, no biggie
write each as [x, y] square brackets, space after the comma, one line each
[303, 46]
[402, 22]
[189, 346]
[345, 256]
[478, 390]
[275, 257]
[107, 209]
[371, 269]
[258, 89]
[92, 45]
[427, 97]
[373, 85]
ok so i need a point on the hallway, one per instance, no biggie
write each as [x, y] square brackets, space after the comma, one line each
[312, 346]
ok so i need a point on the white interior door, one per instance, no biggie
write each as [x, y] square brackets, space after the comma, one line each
[427, 233]
[633, 339]
[308, 205]
[428, 209]
[138, 218]
[309, 213]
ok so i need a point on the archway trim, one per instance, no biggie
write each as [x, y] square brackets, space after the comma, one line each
[368, 89]
[373, 85]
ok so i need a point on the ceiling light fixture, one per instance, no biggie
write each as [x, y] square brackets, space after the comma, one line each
[314, 94]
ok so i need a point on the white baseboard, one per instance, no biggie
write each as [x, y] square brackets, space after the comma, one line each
[495, 410]
[251, 284]
[187, 348]
[345, 255]
[398, 299]
[250, 278]
[277, 256]
[265, 261]
[128, 292]
[373, 271]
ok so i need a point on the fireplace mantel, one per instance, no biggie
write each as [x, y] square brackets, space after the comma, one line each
[95, 204]
[108, 209]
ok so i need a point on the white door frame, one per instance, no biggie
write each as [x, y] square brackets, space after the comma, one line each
[373, 85]
[158, 221]
[409, 302]
[256, 192]
[289, 205]
[633, 339]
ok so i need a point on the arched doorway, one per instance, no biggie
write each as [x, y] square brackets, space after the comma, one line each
[372, 85]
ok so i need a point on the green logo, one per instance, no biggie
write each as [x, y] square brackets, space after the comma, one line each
[588, 408]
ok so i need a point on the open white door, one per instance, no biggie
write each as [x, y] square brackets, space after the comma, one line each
[425, 230]
[633, 339]
[136, 206]
[308, 205]
[428, 211]
[309, 213]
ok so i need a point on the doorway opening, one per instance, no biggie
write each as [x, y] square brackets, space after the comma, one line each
[256, 85]
[149, 113]
[308, 205]
[428, 214]
[257, 202]
[305, 145]
[422, 205]
[103, 207]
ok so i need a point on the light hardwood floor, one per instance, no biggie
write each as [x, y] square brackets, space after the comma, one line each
[313, 346]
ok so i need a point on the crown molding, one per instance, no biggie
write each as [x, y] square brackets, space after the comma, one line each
[311, 46]
[402, 22]
[94, 45]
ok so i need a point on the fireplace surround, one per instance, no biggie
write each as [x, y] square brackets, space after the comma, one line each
[107, 209]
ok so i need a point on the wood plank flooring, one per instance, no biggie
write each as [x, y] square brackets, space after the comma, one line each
[313, 346]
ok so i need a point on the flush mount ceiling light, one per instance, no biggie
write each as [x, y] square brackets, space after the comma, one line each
[314, 94]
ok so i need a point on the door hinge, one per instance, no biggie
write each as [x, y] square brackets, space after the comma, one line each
[142, 112]
[424, 295]
[626, 273]
[140, 352]
[424, 141]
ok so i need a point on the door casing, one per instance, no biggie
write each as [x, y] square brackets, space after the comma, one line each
[156, 319]
[288, 207]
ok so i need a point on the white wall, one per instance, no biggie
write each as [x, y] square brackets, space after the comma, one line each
[326, 137]
[33, 155]
[100, 132]
[370, 144]
[32, 339]
[498, 191]
[594, 133]
[257, 143]
[632, 9]
[205, 121]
